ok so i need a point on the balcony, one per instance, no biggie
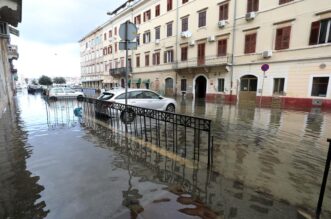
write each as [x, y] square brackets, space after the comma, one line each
[207, 61]
[119, 72]
[12, 52]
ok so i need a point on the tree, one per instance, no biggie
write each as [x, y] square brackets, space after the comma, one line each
[45, 80]
[59, 80]
[34, 82]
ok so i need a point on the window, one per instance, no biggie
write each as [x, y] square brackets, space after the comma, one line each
[157, 10]
[169, 29]
[279, 85]
[115, 47]
[110, 33]
[138, 39]
[147, 15]
[184, 24]
[320, 86]
[150, 95]
[122, 62]
[168, 56]
[202, 19]
[104, 36]
[252, 5]
[201, 54]
[284, 1]
[110, 50]
[157, 33]
[283, 36]
[137, 19]
[169, 5]
[115, 31]
[224, 11]
[220, 87]
[184, 53]
[146, 59]
[184, 1]
[156, 58]
[221, 47]
[138, 61]
[147, 37]
[183, 85]
[250, 43]
[320, 32]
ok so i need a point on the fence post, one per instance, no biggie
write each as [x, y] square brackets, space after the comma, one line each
[325, 177]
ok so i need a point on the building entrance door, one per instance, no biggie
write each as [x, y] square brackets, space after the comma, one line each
[200, 87]
[248, 88]
[169, 87]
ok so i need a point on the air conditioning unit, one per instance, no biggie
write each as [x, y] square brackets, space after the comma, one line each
[221, 23]
[267, 54]
[211, 39]
[250, 16]
[157, 41]
[192, 43]
[4, 30]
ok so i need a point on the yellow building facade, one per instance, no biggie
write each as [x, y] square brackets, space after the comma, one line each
[215, 50]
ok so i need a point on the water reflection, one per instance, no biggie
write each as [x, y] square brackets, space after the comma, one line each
[19, 188]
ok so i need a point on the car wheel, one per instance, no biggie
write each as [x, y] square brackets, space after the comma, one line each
[53, 98]
[127, 116]
[171, 108]
[80, 98]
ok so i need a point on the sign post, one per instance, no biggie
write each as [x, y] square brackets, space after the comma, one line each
[127, 32]
[264, 68]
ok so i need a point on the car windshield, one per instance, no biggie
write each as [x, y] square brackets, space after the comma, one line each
[106, 96]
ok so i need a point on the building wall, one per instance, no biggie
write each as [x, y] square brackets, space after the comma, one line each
[297, 64]
[6, 89]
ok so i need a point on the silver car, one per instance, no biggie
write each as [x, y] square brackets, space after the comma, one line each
[141, 98]
[64, 92]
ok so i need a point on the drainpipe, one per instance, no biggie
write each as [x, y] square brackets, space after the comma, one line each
[233, 46]
[176, 50]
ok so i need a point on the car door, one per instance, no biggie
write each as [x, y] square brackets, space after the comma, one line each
[136, 98]
[69, 92]
[60, 92]
[152, 100]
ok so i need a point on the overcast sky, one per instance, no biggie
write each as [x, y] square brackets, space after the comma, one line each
[49, 34]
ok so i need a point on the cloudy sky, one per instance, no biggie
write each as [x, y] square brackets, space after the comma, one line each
[49, 34]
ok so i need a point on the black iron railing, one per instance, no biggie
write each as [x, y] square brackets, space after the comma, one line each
[185, 136]
[325, 178]
[119, 71]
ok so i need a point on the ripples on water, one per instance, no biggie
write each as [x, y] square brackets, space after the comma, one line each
[54, 164]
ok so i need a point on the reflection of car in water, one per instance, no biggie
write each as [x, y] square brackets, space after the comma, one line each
[56, 93]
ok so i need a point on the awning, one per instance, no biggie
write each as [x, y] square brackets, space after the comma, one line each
[146, 81]
[136, 80]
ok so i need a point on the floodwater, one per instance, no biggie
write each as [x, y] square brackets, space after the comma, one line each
[267, 164]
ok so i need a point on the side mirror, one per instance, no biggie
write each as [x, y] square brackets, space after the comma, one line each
[160, 97]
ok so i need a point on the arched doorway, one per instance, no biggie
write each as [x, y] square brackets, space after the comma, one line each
[248, 88]
[169, 87]
[200, 87]
[122, 83]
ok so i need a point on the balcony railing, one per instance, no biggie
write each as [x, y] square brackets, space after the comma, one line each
[118, 72]
[206, 61]
[12, 52]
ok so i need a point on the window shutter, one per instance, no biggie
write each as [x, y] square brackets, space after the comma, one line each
[249, 5]
[165, 57]
[247, 41]
[279, 34]
[314, 31]
[286, 37]
[172, 55]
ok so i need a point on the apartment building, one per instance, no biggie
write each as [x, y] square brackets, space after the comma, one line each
[10, 16]
[215, 50]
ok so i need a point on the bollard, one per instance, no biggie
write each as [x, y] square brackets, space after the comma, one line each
[325, 177]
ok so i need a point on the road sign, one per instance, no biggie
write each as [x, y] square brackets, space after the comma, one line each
[131, 45]
[132, 31]
[265, 67]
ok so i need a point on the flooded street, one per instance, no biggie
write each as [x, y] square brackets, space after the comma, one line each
[267, 164]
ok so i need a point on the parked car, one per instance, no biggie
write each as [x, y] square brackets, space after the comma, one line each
[141, 98]
[64, 92]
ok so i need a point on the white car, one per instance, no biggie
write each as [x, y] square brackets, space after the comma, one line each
[141, 98]
[56, 93]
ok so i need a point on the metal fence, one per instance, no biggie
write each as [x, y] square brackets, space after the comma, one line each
[171, 134]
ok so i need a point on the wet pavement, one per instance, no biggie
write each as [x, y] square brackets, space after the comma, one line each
[267, 164]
